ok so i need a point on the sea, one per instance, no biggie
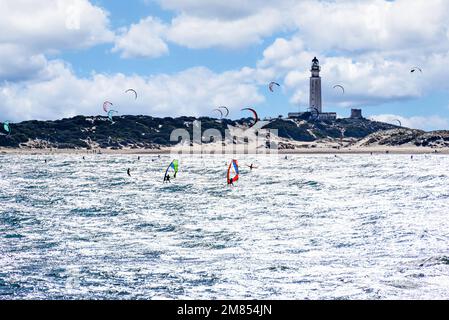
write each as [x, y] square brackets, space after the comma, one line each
[298, 227]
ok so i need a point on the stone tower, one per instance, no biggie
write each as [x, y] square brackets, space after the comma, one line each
[315, 87]
[356, 114]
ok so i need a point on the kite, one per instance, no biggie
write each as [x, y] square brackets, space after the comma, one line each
[399, 121]
[7, 127]
[106, 106]
[256, 117]
[221, 113]
[414, 69]
[133, 91]
[233, 172]
[227, 110]
[111, 114]
[340, 86]
[272, 84]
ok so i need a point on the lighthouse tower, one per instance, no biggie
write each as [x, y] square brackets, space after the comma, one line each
[315, 87]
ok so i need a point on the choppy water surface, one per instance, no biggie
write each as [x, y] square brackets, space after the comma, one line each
[310, 227]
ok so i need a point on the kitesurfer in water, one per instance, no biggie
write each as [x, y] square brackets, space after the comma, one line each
[167, 178]
[129, 172]
[231, 181]
[251, 167]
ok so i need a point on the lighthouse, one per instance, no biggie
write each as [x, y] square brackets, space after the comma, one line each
[315, 103]
[315, 87]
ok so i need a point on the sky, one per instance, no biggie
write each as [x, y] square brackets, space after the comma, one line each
[61, 58]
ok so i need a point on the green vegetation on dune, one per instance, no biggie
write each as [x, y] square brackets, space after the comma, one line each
[313, 130]
[150, 132]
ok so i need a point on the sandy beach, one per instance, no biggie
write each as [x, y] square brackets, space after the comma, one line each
[206, 150]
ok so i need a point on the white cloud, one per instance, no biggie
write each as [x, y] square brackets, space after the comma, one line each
[199, 33]
[16, 64]
[32, 29]
[373, 25]
[52, 25]
[142, 40]
[345, 28]
[349, 25]
[232, 24]
[191, 92]
[223, 10]
[431, 122]
[367, 46]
